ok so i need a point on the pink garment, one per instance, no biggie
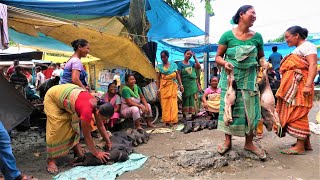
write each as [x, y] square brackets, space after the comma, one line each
[133, 111]
[113, 101]
[4, 43]
[209, 90]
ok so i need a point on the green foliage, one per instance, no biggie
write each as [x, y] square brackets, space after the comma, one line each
[278, 39]
[185, 7]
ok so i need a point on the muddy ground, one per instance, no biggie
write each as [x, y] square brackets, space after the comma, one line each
[168, 158]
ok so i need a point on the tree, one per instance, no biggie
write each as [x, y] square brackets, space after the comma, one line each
[137, 23]
[278, 39]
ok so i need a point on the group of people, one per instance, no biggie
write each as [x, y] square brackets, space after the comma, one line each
[71, 108]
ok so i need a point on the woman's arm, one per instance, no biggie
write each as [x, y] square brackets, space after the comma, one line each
[86, 129]
[179, 81]
[132, 103]
[75, 78]
[104, 133]
[117, 108]
[197, 64]
[143, 100]
[220, 61]
[312, 60]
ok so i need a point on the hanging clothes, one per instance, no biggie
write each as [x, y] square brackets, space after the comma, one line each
[4, 35]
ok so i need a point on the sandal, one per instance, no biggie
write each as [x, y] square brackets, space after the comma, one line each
[223, 149]
[291, 152]
[259, 152]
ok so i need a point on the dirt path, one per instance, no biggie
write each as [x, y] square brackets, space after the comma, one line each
[163, 163]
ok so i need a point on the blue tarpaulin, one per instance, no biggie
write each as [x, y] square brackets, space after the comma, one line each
[42, 41]
[97, 8]
[165, 21]
[168, 23]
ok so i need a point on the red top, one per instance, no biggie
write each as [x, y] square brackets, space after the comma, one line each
[10, 70]
[83, 106]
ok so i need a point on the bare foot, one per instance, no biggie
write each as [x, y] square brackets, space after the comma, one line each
[151, 125]
[257, 151]
[52, 168]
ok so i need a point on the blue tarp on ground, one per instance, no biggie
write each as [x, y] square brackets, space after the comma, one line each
[103, 172]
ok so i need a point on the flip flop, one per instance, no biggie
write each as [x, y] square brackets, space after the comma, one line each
[222, 149]
[291, 152]
[54, 169]
[258, 153]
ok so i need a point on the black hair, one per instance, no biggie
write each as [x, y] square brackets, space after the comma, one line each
[187, 51]
[274, 48]
[105, 108]
[126, 78]
[242, 9]
[79, 42]
[58, 64]
[16, 62]
[303, 32]
[54, 64]
[111, 84]
[215, 68]
[165, 52]
[38, 68]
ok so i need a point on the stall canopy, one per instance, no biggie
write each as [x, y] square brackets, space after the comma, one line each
[162, 25]
[44, 31]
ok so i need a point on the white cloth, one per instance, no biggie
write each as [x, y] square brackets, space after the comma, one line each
[56, 72]
[305, 49]
[4, 35]
[40, 79]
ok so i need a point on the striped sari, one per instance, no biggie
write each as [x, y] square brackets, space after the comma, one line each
[246, 112]
[292, 106]
[63, 129]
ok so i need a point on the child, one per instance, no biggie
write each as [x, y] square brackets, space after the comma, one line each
[211, 98]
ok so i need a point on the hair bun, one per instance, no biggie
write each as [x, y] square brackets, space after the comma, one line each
[100, 101]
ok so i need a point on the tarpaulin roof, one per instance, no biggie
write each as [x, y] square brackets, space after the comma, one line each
[97, 8]
[168, 23]
[113, 50]
[157, 11]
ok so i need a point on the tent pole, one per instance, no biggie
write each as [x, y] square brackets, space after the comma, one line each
[206, 57]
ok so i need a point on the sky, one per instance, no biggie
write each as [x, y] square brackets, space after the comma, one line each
[273, 16]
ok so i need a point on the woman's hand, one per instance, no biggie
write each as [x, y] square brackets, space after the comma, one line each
[228, 67]
[307, 90]
[181, 89]
[205, 105]
[103, 156]
[109, 145]
[143, 109]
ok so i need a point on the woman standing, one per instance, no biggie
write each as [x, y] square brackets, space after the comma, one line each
[112, 97]
[134, 104]
[187, 72]
[238, 52]
[296, 91]
[67, 105]
[73, 71]
[167, 74]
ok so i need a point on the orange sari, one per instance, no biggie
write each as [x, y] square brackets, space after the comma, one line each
[292, 106]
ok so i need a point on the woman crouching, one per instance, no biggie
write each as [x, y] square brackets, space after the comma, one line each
[68, 107]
